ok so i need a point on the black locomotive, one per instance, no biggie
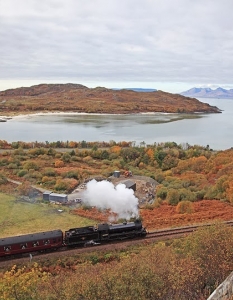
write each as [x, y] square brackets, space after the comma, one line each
[82, 236]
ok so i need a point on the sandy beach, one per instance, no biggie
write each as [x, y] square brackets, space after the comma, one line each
[71, 113]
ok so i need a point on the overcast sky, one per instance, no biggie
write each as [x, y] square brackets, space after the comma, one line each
[172, 45]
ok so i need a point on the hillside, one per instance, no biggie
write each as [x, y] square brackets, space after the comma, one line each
[78, 98]
[208, 93]
[188, 178]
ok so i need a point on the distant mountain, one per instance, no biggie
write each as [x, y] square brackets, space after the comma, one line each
[208, 93]
[138, 90]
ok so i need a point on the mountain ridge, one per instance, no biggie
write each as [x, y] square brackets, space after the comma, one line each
[208, 93]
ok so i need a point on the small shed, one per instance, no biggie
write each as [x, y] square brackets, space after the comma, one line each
[46, 195]
[62, 198]
[130, 184]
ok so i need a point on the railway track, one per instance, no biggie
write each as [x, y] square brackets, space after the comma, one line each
[180, 230]
[152, 236]
[171, 232]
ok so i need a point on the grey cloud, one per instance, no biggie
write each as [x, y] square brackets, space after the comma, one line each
[114, 40]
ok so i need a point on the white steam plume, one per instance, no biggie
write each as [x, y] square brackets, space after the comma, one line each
[119, 199]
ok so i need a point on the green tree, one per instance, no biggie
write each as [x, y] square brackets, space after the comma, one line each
[129, 154]
[159, 156]
[83, 144]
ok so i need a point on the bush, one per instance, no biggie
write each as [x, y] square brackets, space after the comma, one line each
[48, 181]
[59, 163]
[3, 178]
[173, 197]
[161, 192]
[36, 175]
[61, 185]
[71, 174]
[187, 195]
[49, 172]
[159, 177]
[12, 166]
[87, 159]
[21, 173]
[66, 158]
[184, 207]
[30, 165]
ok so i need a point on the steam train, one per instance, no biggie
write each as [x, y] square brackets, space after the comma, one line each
[75, 237]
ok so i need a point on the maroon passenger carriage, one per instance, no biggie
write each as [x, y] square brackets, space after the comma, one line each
[31, 242]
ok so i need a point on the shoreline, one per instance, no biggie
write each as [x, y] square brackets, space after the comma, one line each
[60, 113]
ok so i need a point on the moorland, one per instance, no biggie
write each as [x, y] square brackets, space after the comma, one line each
[79, 98]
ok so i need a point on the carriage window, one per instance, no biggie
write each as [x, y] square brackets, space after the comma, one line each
[46, 242]
[23, 246]
[35, 244]
[7, 248]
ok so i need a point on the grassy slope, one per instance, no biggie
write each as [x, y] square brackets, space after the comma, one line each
[20, 218]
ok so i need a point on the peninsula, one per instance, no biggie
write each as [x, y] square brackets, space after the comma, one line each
[77, 98]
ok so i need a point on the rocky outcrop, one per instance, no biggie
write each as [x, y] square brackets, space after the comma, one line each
[224, 291]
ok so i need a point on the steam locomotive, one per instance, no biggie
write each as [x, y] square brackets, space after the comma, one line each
[75, 237]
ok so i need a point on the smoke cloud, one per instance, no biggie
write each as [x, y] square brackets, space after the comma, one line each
[104, 195]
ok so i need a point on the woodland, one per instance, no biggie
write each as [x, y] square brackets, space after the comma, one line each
[195, 186]
[184, 172]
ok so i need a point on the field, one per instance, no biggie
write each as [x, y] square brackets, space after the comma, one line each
[21, 217]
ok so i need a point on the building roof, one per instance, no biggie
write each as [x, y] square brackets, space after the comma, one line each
[58, 195]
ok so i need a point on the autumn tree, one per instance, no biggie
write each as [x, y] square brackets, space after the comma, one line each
[129, 154]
